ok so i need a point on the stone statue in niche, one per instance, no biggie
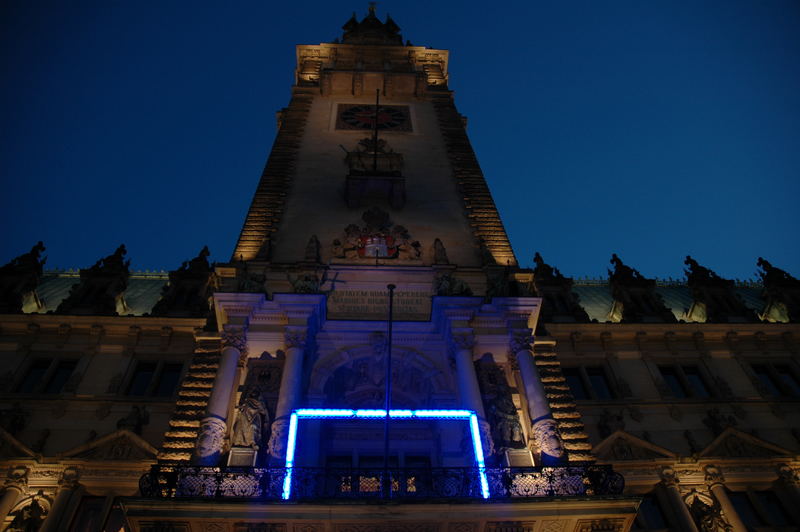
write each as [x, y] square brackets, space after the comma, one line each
[18, 281]
[101, 288]
[501, 413]
[251, 421]
[380, 238]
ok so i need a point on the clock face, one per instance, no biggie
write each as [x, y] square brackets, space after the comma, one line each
[362, 117]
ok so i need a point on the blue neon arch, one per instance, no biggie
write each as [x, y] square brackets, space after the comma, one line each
[377, 413]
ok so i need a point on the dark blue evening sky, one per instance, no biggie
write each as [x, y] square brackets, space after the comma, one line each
[648, 128]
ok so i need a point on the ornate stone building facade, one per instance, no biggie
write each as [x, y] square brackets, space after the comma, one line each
[274, 393]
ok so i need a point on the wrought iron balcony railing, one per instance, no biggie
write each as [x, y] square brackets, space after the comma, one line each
[406, 484]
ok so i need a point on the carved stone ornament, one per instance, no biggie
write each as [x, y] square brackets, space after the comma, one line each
[462, 342]
[277, 440]
[788, 475]
[669, 477]
[380, 238]
[295, 339]
[707, 513]
[548, 442]
[235, 337]
[69, 478]
[447, 284]
[713, 475]
[211, 437]
[29, 514]
[521, 342]
[17, 477]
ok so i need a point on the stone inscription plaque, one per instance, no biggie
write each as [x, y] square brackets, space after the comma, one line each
[374, 305]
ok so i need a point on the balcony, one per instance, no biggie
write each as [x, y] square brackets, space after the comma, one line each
[320, 484]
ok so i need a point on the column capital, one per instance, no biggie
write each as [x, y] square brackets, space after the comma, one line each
[17, 477]
[669, 477]
[713, 475]
[235, 337]
[521, 341]
[69, 478]
[787, 475]
[295, 338]
[462, 341]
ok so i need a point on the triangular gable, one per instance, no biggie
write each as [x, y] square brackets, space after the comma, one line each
[624, 446]
[10, 447]
[118, 445]
[733, 443]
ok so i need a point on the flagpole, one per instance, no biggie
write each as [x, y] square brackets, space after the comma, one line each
[387, 481]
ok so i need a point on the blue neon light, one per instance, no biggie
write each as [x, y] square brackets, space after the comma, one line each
[476, 444]
[290, 446]
[344, 413]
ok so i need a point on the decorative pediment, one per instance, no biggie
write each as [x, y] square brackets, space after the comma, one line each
[623, 446]
[10, 447]
[118, 445]
[733, 443]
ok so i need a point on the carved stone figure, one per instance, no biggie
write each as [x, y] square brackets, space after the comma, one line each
[635, 297]
[101, 288]
[137, 418]
[714, 297]
[439, 253]
[189, 289]
[501, 413]
[250, 422]
[18, 281]
[312, 250]
[28, 518]
[446, 284]
[708, 516]
[781, 294]
[558, 301]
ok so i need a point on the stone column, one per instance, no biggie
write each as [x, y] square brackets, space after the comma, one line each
[290, 391]
[544, 427]
[214, 424]
[461, 345]
[67, 486]
[15, 485]
[670, 481]
[716, 485]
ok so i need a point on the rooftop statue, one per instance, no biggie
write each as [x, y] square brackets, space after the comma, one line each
[18, 281]
[635, 296]
[101, 288]
[189, 289]
[715, 299]
[371, 30]
[781, 294]
[559, 302]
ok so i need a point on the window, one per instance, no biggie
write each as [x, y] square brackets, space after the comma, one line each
[155, 379]
[685, 381]
[589, 382]
[47, 375]
[651, 516]
[777, 379]
[760, 508]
